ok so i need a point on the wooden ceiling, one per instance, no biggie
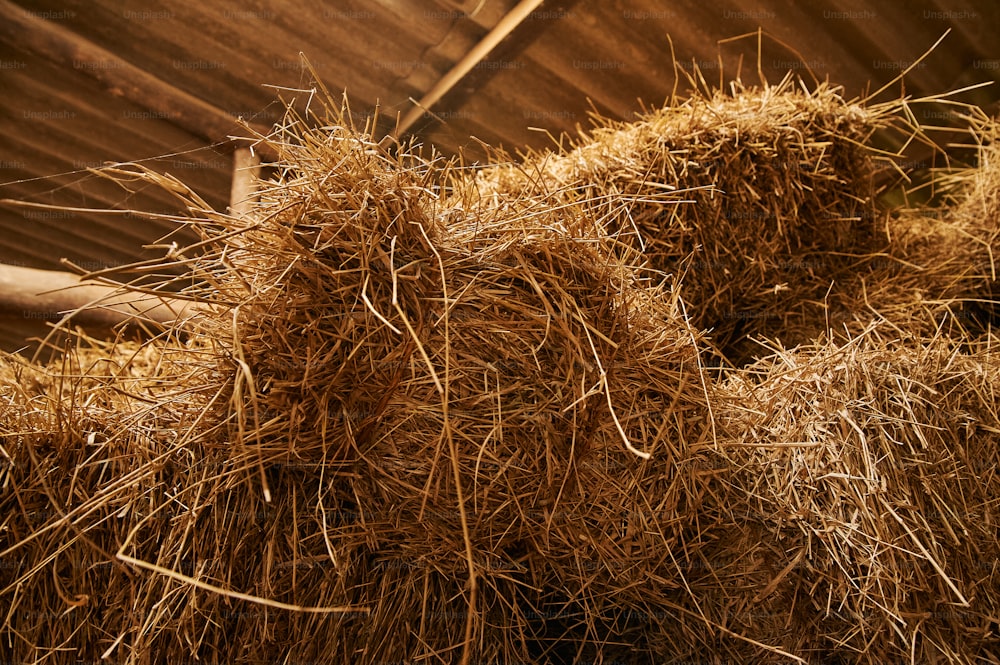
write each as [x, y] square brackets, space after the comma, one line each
[88, 82]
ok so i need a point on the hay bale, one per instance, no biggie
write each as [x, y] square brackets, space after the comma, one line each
[976, 214]
[857, 518]
[935, 269]
[933, 274]
[88, 456]
[781, 191]
[477, 394]
[405, 441]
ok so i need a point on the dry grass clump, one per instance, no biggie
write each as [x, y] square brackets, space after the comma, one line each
[858, 519]
[388, 443]
[976, 214]
[472, 400]
[780, 184]
[92, 453]
[936, 267]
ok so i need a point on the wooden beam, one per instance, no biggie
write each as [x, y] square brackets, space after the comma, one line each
[63, 47]
[51, 294]
[503, 28]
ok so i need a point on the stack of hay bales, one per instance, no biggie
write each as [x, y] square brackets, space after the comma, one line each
[428, 417]
[400, 442]
[856, 512]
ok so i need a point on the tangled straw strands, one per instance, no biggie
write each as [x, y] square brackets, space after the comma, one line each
[859, 514]
[428, 416]
[396, 443]
[935, 270]
[780, 188]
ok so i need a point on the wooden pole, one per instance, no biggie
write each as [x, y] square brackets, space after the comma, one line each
[246, 171]
[50, 294]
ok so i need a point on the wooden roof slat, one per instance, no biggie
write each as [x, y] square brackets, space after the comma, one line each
[68, 49]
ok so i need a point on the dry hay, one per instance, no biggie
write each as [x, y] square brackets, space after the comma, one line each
[857, 512]
[936, 268]
[781, 195]
[474, 401]
[781, 236]
[92, 448]
[424, 417]
[384, 443]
